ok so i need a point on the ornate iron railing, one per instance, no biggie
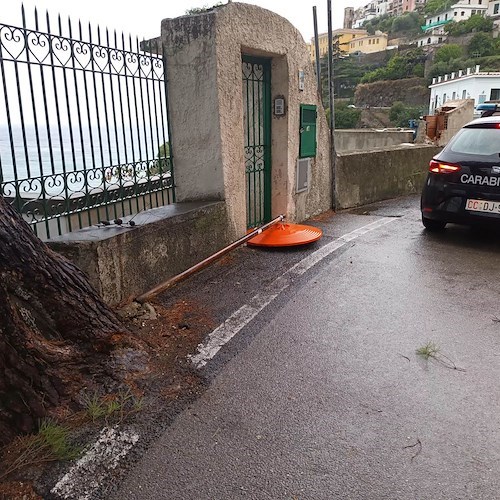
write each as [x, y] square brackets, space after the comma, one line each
[84, 133]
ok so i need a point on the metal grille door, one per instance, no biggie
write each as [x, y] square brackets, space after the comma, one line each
[257, 125]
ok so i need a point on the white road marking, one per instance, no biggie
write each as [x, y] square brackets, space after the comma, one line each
[87, 475]
[239, 319]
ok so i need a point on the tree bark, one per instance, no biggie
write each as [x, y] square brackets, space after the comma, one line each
[55, 330]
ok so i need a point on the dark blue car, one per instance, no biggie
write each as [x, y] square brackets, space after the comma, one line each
[463, 183]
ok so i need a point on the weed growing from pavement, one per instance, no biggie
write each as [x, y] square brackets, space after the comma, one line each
[53, 443]
[50, 444]
[429, 350]
[111, 405]
[56, 437]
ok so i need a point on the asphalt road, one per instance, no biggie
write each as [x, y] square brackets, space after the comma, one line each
[322, 394]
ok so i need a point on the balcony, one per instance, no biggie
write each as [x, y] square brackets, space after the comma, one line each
[427, 27]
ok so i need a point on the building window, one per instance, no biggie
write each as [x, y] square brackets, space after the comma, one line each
[446, 17]
[428, 41]
[455, 13]
[439, 19]
[454, 96]
[378, 40]
[421, 43]
[444, 98]
[480, 2]
[464, 94]
[495, 8]
[481, 99]
[462, 13]
[495, 94]
[473, 12]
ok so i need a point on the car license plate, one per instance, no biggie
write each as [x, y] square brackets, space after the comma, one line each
[483, 206]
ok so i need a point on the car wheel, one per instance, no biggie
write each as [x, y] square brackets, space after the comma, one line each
[433, 225]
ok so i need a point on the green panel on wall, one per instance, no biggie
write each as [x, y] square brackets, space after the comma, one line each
[308, 116]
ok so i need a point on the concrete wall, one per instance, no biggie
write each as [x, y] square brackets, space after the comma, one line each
[364, 178]
[123, 262]
[366, 140]
[205, 88]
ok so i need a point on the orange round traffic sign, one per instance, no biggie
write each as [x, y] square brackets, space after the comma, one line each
[286, 235]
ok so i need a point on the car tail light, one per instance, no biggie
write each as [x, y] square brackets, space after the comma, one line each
[438, 167]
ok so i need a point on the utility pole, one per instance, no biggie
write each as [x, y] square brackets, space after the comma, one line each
[331, 94]
[316, 51]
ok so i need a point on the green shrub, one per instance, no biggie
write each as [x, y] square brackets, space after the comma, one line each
[448, 52]
[435, 6]
[400, 114]
[475, 23]
[403, 65]
[408, 23]
[482, 44]
[345, 117]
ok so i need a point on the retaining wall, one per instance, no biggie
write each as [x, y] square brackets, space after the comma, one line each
[122, 261]
[366, 177]
[367, 140]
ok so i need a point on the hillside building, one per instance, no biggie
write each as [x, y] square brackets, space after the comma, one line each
[363, 14]
[348, 17]
[399, 7]
[378, 8]
[434, 27]
[369, 43]
[493, 9]
[344, 36]
[468, 84]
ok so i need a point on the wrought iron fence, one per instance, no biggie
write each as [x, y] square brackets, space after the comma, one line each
[84, 133]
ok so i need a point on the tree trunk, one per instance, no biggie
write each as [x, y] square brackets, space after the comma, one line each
[55, 331]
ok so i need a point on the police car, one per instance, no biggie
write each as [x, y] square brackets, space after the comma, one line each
[463, 183]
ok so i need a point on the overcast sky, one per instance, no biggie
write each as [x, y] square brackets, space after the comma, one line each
[142, 18]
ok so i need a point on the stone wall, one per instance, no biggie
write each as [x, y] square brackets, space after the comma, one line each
[123, 262]
[411, 91]
[364, 178]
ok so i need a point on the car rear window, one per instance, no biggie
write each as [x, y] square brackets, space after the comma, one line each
[476, 141]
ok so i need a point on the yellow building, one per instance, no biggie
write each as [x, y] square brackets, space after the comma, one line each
[369, 43]
[344, 37]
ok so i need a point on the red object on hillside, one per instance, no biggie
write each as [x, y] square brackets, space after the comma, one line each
[286, 235]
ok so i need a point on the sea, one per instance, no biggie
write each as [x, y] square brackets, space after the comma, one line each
[30, 154]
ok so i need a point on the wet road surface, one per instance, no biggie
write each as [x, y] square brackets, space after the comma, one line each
[322, 394]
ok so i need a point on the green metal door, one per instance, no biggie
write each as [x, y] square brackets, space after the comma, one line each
[257, 126]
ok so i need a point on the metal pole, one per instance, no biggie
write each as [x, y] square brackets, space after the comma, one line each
[331, 94]
[188, 272]
[316, 50]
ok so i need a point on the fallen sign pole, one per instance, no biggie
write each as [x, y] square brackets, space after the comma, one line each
[188, 272]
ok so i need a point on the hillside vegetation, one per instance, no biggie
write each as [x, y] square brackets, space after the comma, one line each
[402, 65]
[363, 78]
[409, 24]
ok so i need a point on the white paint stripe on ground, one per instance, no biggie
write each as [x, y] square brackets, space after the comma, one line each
[239, 319]
[87, 475]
